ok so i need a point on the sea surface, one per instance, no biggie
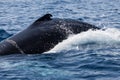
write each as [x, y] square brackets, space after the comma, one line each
[91, 55]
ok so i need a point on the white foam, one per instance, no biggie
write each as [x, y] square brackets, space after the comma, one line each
[101, 38]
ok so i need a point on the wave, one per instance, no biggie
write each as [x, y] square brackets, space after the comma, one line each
[90, 40]
[4, 34]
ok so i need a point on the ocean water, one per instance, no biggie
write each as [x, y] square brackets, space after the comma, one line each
[91, 55]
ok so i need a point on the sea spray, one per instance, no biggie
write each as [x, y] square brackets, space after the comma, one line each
[90, 40]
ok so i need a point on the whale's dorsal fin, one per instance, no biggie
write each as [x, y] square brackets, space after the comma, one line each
[44, 18]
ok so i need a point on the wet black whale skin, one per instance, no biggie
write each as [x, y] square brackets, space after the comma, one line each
[43, 35]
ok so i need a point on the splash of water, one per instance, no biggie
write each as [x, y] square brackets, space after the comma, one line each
[99, 39]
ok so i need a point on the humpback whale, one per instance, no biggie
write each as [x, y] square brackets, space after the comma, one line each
[43, 35]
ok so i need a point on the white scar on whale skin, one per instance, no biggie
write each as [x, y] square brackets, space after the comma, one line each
[12, 42]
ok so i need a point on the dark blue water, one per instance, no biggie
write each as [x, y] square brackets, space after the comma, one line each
[91, 55]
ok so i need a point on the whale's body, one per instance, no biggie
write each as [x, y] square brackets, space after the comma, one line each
[42, 35]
